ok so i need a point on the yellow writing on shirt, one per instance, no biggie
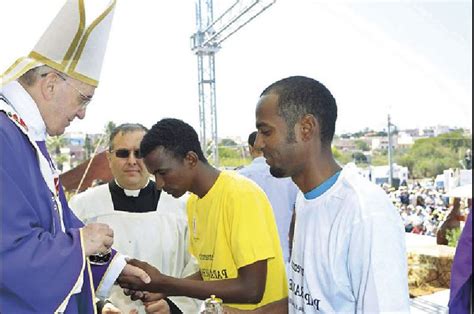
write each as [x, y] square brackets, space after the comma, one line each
[210, 274]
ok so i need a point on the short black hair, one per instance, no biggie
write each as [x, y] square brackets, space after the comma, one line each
[174, 135]
[125, 128]
[299, 95]
[252, 138]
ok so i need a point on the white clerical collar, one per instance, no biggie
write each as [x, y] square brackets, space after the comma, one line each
[26, 107]
[132, 193]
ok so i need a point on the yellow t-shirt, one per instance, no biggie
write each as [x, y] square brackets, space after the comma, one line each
[233, 226]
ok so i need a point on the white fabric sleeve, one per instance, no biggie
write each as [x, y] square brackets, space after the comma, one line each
[111, 275]
[377, 265]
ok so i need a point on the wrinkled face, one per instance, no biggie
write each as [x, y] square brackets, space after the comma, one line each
[129, 171]
[272, 139]
[172, 175]
[65, 104]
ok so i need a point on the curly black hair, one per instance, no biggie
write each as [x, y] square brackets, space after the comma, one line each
[252, 138]
[174, 135]
[299, 95]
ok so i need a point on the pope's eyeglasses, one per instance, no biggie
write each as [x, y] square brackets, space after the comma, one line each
[85, 100]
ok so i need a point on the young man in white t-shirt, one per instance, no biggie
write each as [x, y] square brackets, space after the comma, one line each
[349, 251]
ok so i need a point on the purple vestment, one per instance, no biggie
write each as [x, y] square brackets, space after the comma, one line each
[461, 273]
[39, 263]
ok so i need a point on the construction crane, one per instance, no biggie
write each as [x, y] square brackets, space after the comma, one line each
[206, 42]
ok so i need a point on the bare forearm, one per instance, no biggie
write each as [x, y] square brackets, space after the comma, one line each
[247, 288]
[278, 307]
[195, 276]
[229, 290]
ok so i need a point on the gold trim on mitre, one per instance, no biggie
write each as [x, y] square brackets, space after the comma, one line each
[63, 50]
[61, 68]
[89, 30]
[20, 67]
[80, 31]
[46, 61]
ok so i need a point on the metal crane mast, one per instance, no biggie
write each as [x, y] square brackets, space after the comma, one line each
[205, 43]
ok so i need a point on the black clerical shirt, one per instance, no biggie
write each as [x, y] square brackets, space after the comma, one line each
[146, 201]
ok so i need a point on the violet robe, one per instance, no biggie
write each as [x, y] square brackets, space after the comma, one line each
[39, 263]
[461, 273]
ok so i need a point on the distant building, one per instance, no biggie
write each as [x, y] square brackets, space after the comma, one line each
[428, 132]
[414, 133]
[345, 145]
[381, 143]
[380, 174]
[405, 139]
[77, 143]
[441, 129]
[75, 138]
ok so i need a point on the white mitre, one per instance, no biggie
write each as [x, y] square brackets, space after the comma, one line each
[69, 45]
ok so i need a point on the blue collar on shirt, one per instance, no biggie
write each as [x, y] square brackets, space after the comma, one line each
[319, 190]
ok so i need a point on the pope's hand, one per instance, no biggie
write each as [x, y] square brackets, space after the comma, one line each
[158, 307]
[109, 308]
[98, 238]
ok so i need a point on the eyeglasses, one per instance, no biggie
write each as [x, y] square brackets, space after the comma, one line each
[125, 153]
[85, 100]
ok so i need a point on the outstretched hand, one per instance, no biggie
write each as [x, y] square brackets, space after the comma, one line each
[137, 273]
[131, 281]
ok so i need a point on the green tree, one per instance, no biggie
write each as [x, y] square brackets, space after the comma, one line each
[455, 140]
[88, 149]
[54, 145]
[359, 158]
[109, 127]
[342, 158]
[431, 156]
[228, 142]
[232, 157]
[362, 145]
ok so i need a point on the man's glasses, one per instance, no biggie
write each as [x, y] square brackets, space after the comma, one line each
[85, 100]
[125, 153]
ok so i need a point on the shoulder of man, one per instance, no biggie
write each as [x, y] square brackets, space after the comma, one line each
[92, 192]
[86, 199]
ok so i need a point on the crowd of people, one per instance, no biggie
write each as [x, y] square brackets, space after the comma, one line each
[347, 251]
[424, 208]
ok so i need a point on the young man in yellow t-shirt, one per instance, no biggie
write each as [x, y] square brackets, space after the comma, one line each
[233, 233]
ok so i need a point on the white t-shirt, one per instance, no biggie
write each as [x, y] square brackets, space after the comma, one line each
[281, 193]
[349, 251]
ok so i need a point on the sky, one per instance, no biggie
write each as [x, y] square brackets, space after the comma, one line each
[411, 59]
